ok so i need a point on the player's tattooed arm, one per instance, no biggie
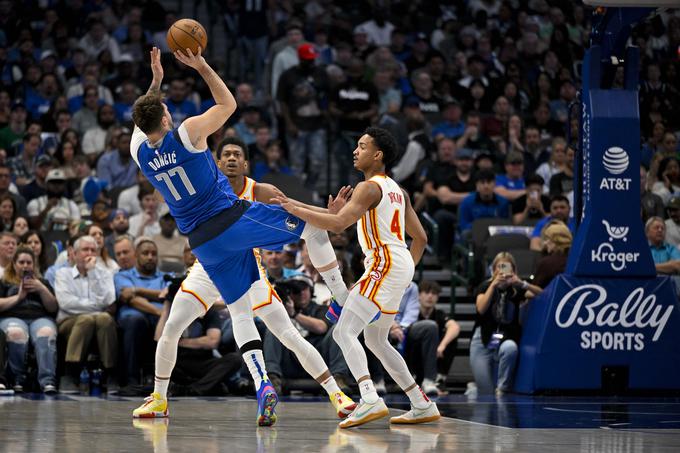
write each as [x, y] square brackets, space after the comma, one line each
[415, 230]
[156, 70]
[365, 196]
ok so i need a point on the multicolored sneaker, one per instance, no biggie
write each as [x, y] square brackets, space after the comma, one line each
[154, 407]
[334, 310]
[365, 413]
[267, 399]
[429, 414]
[343, 404]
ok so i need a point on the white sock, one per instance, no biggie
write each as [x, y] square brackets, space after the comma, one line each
[333, 280]
[368, 393]
[161, 387]
[330, 386]
[418, 399]
[255, 363]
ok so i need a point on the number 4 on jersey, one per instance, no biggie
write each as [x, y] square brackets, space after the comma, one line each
[395, 225]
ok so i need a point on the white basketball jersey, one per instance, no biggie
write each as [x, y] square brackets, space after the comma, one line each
[384, 224]
[248, 192]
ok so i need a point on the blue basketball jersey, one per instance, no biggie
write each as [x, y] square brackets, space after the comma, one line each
[189, 180]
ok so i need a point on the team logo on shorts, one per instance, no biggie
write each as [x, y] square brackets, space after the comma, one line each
[375, 275]
[292, 223]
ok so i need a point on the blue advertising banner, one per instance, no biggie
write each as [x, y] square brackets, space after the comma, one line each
[577, 326]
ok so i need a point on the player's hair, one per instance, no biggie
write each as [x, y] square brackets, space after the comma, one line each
[147, 112]
[428, 286]
[232, 141]
[385, 142]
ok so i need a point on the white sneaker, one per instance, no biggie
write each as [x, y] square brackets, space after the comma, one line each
[365, 413]
[429, 414]
[430, 388]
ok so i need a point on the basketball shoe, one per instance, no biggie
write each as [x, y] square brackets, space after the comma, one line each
[364, 413]
[415, 415]
[153, 407]
[267, 399]
[342, 403]
[335, 309]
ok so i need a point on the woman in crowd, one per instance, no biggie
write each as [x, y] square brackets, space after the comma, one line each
[27, 309]
[496, 335]
[103, 259]
[556, 239]
[34, 240]
[667, 178]
[20, 226]
[8, 212]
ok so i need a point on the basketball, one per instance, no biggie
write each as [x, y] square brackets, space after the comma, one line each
[187, 34]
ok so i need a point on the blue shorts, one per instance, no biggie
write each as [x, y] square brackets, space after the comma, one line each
[228, 257]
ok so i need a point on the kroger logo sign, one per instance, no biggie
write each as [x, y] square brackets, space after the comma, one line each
[615, 161]
[606, 252]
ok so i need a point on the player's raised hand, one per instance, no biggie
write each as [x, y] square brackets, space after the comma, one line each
[156, 66]
[191, 60]
[340, 200]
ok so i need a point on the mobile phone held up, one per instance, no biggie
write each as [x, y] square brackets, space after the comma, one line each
[505, 268]
[28, 274]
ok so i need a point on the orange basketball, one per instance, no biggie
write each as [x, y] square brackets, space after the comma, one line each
[187, 34]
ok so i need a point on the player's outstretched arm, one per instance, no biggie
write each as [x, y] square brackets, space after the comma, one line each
[365, 196]
[414, 229]
[201, 126]
[156, 70]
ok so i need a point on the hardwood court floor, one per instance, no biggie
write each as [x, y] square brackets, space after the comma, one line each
[35, 424]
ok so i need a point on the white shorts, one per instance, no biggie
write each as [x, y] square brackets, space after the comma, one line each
[199, 285]
[389, 271]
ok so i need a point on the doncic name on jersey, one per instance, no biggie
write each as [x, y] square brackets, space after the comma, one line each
[161, 160]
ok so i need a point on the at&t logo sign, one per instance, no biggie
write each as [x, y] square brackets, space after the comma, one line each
[616, 162]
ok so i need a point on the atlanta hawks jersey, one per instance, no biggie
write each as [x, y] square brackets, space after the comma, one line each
[384, 224]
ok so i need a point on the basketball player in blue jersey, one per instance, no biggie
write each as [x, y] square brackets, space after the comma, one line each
[222, 228]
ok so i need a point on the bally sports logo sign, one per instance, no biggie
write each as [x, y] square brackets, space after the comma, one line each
[588, 306]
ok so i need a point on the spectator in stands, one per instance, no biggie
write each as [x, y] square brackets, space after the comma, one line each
[452, 125]
[556, 239]
[673, 222]
[405, 170]
[263, 136]
[532, 206]
[536, 156]
[651, 204]
[128, 198]
[308, 318]
[667, 178]
[34, 240]
[94, 139]
[124, 252]
[22, 164]
[287, 57]
[170, 244]
[140, 292]
[20, 226]
[494, 346]
[179, 106]
[8, 212]
[97, 39]
[27, 308]
[127, 96]
[85, 294]
[273, 162]
[389, 97]
[119, 224]
[116, 167]
[559, 210]
[246, 126]
[38, 186]
[428, 334]
[302, 94]
[428, 103]
[5, 184]
[53, 211]
[666, 256]
[473, 137]
[64, 156]
[145, 223]
[12, 134]
[483, 202]
[354, 104]
[38, 101]
[563, 182]
[86, 117]
[448, 182]
[8, 246]
[273, 264]
[103, 258]
[558, 157]
[511, 184]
